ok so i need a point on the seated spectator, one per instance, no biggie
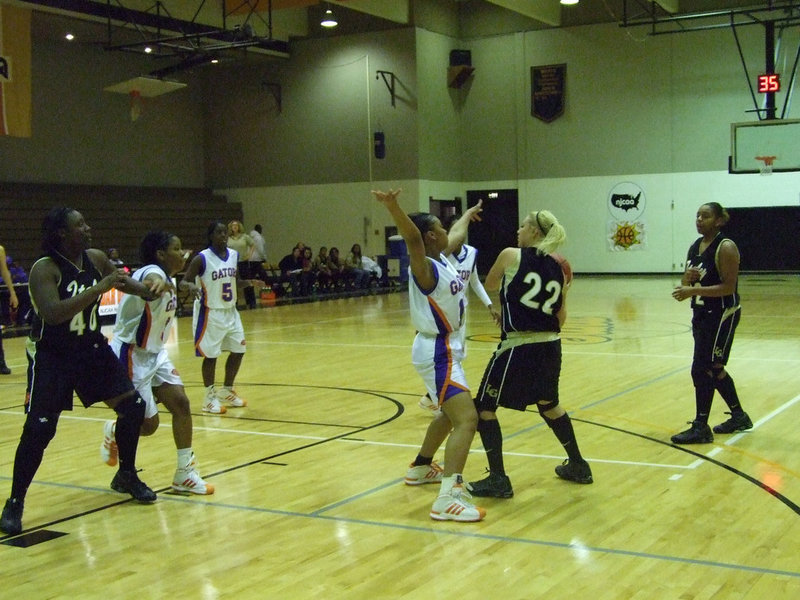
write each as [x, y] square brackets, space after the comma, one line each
[354, 269]
[291, 267]
[308, 277]
[375, 272]
[113, 256]
[336, 267]
[323, 273]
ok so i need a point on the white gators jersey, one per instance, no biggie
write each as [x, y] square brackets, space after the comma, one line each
[217, 280]
[440, 311]
[464, 262]
[142, 323]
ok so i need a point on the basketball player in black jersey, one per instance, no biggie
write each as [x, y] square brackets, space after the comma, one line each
[67, 353]
[712, 272]
[525, 368]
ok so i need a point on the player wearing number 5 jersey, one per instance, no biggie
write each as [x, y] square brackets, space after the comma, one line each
[526, 366]
[212, 277]
[67, 353]
[712, 273]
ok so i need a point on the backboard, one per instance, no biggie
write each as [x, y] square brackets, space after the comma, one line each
[765, 146]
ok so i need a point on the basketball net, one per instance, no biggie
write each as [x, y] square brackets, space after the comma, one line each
[136, 104]
[766, 168]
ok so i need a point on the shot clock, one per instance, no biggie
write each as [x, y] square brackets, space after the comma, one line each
[769, 83]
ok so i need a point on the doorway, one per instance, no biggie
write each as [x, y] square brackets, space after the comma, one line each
[497, 229]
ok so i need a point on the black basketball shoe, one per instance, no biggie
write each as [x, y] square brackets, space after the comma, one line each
[738, 422]
[127, 482]
[494, 486]
[579, 472]
[698, 433]
[11, 521]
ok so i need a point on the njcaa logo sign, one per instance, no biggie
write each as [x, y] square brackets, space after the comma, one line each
[5, 69]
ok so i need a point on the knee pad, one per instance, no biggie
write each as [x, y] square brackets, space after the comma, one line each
[40, 428]
[132, 407]
[484, 424]
[701, 376]
[544, 407]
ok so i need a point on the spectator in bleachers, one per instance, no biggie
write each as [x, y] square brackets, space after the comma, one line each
[356, 274]
[291, 267]
[243, 244]
[13, 303]
[322, 271]
[308, 277]
[336, 267]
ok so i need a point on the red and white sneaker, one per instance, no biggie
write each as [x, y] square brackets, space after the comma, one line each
[421, 474]
[456, 506]
[211, 404]
[230, 397]
[109, 453]
[189, 480]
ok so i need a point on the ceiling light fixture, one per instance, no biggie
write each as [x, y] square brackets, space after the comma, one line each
[328, 20]
[69, 37]
[569, 2]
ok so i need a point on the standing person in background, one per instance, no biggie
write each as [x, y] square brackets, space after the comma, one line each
[243, 244]
[464, 260]
[68, 354]
[526, 366]
[436, 298]
[258, 255]
[140, 333]
[212, 276]
[711, 281]
[13, 304]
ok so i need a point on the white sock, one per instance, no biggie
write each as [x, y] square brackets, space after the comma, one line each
[184, 457]
[448, 483]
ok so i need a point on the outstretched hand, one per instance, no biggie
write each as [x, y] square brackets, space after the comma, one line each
[387, 198]
[474, 212]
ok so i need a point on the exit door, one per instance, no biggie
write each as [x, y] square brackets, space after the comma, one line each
[497, 229]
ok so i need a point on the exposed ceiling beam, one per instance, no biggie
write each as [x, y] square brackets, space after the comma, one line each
[546, 11]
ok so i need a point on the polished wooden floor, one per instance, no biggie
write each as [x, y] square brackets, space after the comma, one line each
[310, 501]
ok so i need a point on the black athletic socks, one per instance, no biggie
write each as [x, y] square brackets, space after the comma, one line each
[492, 440]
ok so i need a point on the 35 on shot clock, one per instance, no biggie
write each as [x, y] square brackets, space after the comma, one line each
[769, 82]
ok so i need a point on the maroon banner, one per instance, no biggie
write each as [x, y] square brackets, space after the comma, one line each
[547, 91]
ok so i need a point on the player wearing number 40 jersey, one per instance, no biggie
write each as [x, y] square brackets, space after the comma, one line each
[212, 277]
[526, 366]
[67, 353]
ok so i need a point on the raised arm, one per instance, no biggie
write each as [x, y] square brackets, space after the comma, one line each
[421, 267]
[458, 232]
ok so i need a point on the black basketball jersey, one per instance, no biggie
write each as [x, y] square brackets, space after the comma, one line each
[709, 275]
[531, 297]
[84, 328]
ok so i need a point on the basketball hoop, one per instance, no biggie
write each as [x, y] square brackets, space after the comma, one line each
[766, 168]
[136, 104]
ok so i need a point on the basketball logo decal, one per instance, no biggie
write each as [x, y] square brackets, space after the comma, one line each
[626, 203]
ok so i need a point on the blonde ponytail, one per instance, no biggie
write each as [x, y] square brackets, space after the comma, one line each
[553, 234]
